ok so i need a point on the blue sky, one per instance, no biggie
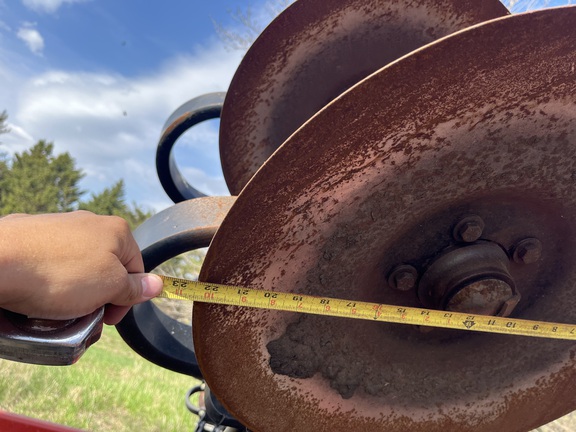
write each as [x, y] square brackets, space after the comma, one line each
[100, 77]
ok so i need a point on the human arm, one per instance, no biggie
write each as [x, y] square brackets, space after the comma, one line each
[61, 266]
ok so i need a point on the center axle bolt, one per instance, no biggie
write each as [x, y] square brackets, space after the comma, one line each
[473, 278]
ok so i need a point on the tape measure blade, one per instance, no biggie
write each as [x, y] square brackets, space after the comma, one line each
[183, 289]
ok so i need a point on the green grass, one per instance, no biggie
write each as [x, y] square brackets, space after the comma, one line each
[111, 388]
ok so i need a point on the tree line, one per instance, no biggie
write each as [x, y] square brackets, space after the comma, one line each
[39, 181]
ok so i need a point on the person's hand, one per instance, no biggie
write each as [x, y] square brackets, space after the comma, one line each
[62, 266]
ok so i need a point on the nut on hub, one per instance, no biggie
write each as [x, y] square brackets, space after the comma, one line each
[469, 229]
[403, 277]
[528, 251]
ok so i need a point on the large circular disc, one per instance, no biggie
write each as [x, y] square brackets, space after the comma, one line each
[314, 51]
[483, 121]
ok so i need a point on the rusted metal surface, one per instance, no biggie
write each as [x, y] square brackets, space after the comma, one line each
[483, 123]
[314, 51]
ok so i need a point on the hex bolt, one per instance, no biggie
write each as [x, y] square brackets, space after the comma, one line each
[527, 251]
[469, 229]
[403, 277]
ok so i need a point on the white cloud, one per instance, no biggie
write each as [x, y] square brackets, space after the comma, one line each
[48, 6]
[111, 123]
[32, 38]
[20, 134]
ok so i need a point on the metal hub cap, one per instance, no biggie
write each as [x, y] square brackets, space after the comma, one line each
[473, 279]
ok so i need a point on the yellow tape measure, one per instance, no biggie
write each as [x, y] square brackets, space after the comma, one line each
[182, 289]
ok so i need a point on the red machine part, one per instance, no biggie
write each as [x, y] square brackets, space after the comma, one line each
[16, 423]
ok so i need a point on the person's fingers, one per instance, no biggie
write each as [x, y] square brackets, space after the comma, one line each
[129, 252]
[113, 314]
[140, 287]
[151, 284]
[131, 259]
[134, 262]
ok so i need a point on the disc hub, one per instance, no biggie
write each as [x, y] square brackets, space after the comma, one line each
[470, 279]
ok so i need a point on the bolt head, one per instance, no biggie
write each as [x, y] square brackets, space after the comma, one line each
[528, 251]
[470, 232]
[403, 278]
[405, 281]
[469, 229]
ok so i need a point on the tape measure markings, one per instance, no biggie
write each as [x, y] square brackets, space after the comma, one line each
[182, 289]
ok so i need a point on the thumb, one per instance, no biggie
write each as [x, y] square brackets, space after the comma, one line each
[141, 287]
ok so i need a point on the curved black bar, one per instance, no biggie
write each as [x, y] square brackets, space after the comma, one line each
[160, 339]
[183, 227]
[197, 110]
[197, 410]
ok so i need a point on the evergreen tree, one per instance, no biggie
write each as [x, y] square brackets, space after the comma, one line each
[3, 164]
[111, 202]
[36, 181]
[3, 120]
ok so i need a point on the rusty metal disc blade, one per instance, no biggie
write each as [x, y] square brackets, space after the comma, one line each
[314, 51]
[482, 122]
